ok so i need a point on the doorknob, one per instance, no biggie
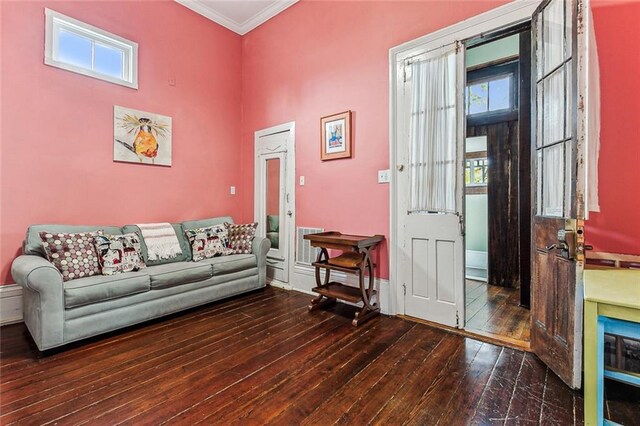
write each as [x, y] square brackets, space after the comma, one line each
[400, 167]
[289, 213]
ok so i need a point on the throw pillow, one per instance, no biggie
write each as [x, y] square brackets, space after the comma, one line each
[241, 237]
[208, 242]
[119, 253]
[74, 255]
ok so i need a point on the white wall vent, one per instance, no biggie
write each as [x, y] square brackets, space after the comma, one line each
[305, 254]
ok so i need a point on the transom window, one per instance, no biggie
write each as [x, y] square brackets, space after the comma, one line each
[75, 46]
[489, 95]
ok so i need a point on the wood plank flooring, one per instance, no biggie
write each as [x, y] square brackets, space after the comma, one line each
[496, 311]
[261, 358]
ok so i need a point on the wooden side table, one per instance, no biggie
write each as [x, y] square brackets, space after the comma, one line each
[612, 305]
[356, 259]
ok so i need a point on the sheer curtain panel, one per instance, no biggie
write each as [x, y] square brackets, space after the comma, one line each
[432, 152]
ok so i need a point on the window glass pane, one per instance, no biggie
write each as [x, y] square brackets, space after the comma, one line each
[499, 94]
[554, 107]
[553, 180]
[109, 60]
[569, 102]
[569, 27]
[553, 33]
[539, 49]
[74, 49]
[478, 98]
[539, 110]
[568, 155]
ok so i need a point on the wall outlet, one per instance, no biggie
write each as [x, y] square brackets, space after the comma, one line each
[233, 190]
[384, 176]
[301, 180]
[172, 80]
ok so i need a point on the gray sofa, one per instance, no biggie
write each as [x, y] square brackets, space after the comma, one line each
[58, 313]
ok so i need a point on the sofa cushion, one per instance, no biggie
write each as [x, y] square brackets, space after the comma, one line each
[205, 223]
[119, 253]
[241, 237]
[184, 245]
[74, 255]
[208, 242]
[99, 288]
[233, 263]
[33, 243]
[172, 274]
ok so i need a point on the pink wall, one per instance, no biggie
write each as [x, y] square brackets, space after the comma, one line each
[319, 58]
[616, 228]
[57, 126]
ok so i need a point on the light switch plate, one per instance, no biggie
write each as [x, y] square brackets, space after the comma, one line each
[233, 190]
[383, 176]
[301, 180]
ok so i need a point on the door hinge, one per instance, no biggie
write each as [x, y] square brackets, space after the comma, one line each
[404, 289]
[457, 320]
[461, 222]
[404, 73]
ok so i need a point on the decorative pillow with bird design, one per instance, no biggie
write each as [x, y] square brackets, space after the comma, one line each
[208, 242]
[119, 253]
[241, 237]
[74, 255]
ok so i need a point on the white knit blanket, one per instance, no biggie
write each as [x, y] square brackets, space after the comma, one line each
[161, 240]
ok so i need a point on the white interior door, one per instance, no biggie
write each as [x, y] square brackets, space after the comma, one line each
[274, 198]
[430, 185]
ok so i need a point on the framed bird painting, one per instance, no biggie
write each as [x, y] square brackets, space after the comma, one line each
[141, 137]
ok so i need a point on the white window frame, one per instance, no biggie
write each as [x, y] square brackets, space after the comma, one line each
[55, 21]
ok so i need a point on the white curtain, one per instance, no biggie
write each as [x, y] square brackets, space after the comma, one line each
[432, 155]
[593, 118]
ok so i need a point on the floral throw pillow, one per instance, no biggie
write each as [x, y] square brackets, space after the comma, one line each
[208, 242]
[119, 253]
[241, 237]
[74, 255]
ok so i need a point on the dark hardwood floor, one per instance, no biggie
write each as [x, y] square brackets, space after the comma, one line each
[262, 358]
[496, 311]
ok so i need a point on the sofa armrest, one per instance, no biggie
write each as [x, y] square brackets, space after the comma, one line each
[260, 247]
[43, 299]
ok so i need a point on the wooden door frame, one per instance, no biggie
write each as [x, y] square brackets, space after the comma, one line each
[508, 15]
[290, 184]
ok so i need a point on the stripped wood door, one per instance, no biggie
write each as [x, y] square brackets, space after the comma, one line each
[559, 135]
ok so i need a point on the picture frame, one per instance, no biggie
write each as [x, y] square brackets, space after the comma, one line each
[141, 137]
[335, 136]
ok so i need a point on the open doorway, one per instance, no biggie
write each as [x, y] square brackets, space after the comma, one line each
[498, 185]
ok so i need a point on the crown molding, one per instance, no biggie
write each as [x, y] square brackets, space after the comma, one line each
[259, 18]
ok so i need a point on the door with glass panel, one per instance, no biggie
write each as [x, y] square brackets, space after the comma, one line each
[429, 154]
[558, 179]
[273, 203]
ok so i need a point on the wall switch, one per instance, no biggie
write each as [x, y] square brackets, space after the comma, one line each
[301, 180]
[233, 190]
[384, 176]
[172, 80]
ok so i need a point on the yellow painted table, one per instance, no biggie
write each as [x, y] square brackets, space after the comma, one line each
[612, 305]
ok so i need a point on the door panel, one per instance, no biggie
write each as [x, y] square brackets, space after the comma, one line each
[556, 324]
[430, 185]
[273, 207]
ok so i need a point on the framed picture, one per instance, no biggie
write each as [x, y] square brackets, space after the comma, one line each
[335, 137]
[141, 137]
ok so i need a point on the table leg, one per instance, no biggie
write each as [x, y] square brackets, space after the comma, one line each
[592, 357]
[368, 310]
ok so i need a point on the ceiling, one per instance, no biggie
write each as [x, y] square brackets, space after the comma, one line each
[240, 16]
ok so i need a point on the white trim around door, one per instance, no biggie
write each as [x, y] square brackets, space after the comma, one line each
[280, 262]
[505, 16]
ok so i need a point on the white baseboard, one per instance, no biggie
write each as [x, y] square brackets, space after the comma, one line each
[304, 279]
[476, 259]
[10, 304]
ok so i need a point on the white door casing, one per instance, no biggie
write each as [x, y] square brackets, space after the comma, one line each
[436, 283]
[277, 144]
